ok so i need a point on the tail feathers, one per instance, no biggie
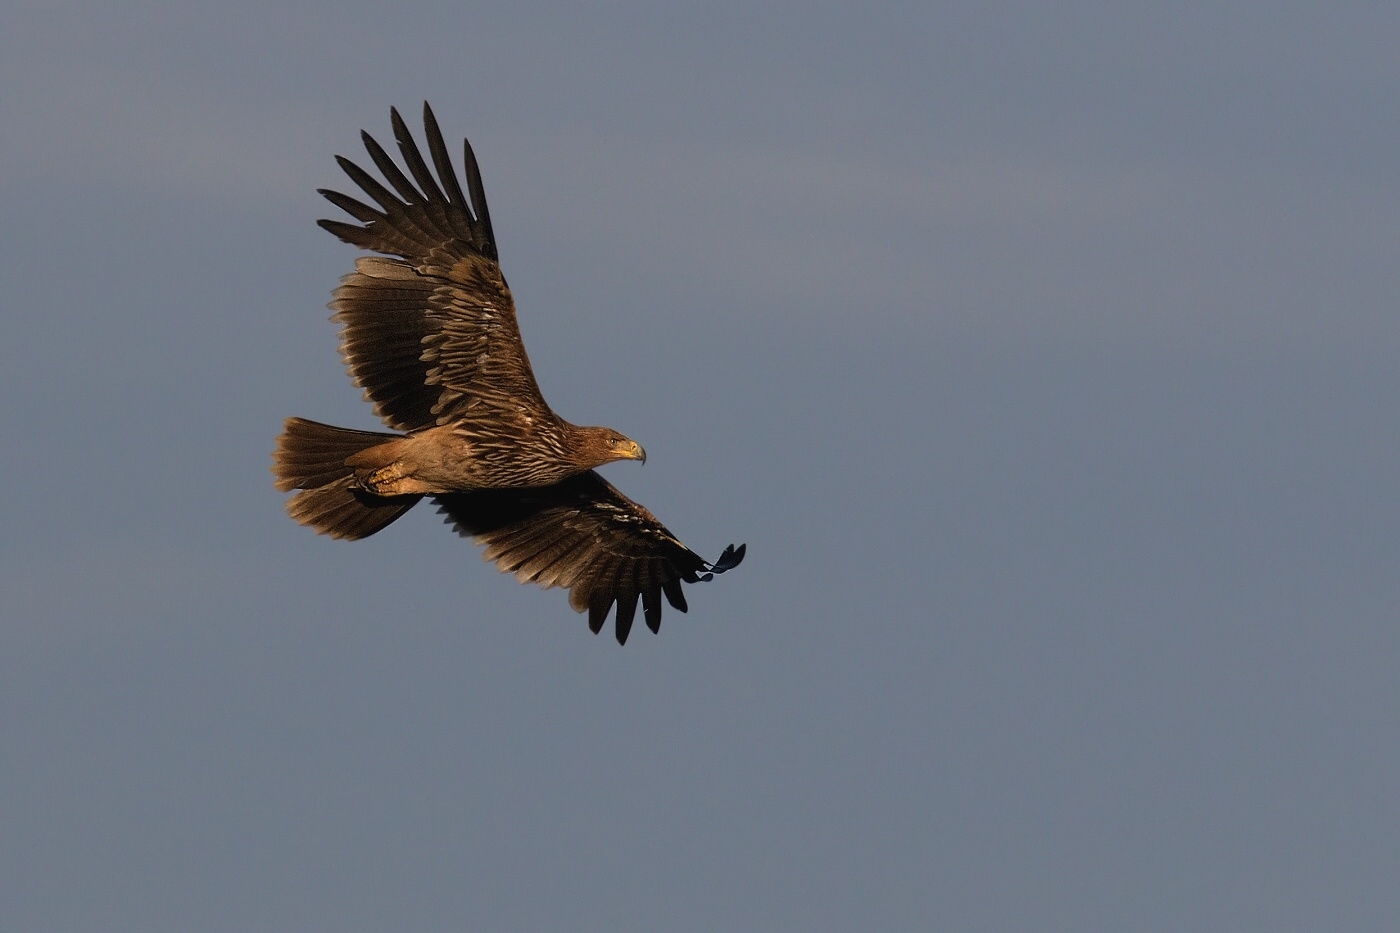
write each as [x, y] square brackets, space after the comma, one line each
[342, 510]
[310, 457]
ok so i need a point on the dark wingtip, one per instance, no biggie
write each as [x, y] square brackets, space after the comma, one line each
[626, 613]
[347, 233]
[597, 615]
[730, 559]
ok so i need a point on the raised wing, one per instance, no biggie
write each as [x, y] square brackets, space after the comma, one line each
[431, 336]
[584, 535]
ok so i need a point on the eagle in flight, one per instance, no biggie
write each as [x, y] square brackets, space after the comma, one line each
[428, 330]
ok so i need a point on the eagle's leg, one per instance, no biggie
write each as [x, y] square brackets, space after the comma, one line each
[390, 481]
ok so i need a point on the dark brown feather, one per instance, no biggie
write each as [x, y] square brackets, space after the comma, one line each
[584, 535]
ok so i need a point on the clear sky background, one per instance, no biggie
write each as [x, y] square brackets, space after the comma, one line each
[1045, 355]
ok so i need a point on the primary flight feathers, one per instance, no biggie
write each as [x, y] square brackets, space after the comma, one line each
[432, 339]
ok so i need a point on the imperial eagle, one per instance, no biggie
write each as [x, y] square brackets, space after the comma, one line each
[428, 330]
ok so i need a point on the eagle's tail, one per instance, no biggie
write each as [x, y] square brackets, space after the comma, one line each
[311, 456]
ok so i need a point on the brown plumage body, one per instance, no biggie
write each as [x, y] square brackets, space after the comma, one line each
[432, 339]
[449, 459]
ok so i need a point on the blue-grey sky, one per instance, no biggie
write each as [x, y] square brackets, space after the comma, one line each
[1044, 355]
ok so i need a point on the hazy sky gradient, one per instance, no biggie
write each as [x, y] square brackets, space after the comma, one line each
[1044, 355]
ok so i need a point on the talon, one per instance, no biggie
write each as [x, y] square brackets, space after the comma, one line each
[384, 481]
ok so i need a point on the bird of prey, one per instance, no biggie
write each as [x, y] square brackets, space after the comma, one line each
[428, 330]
